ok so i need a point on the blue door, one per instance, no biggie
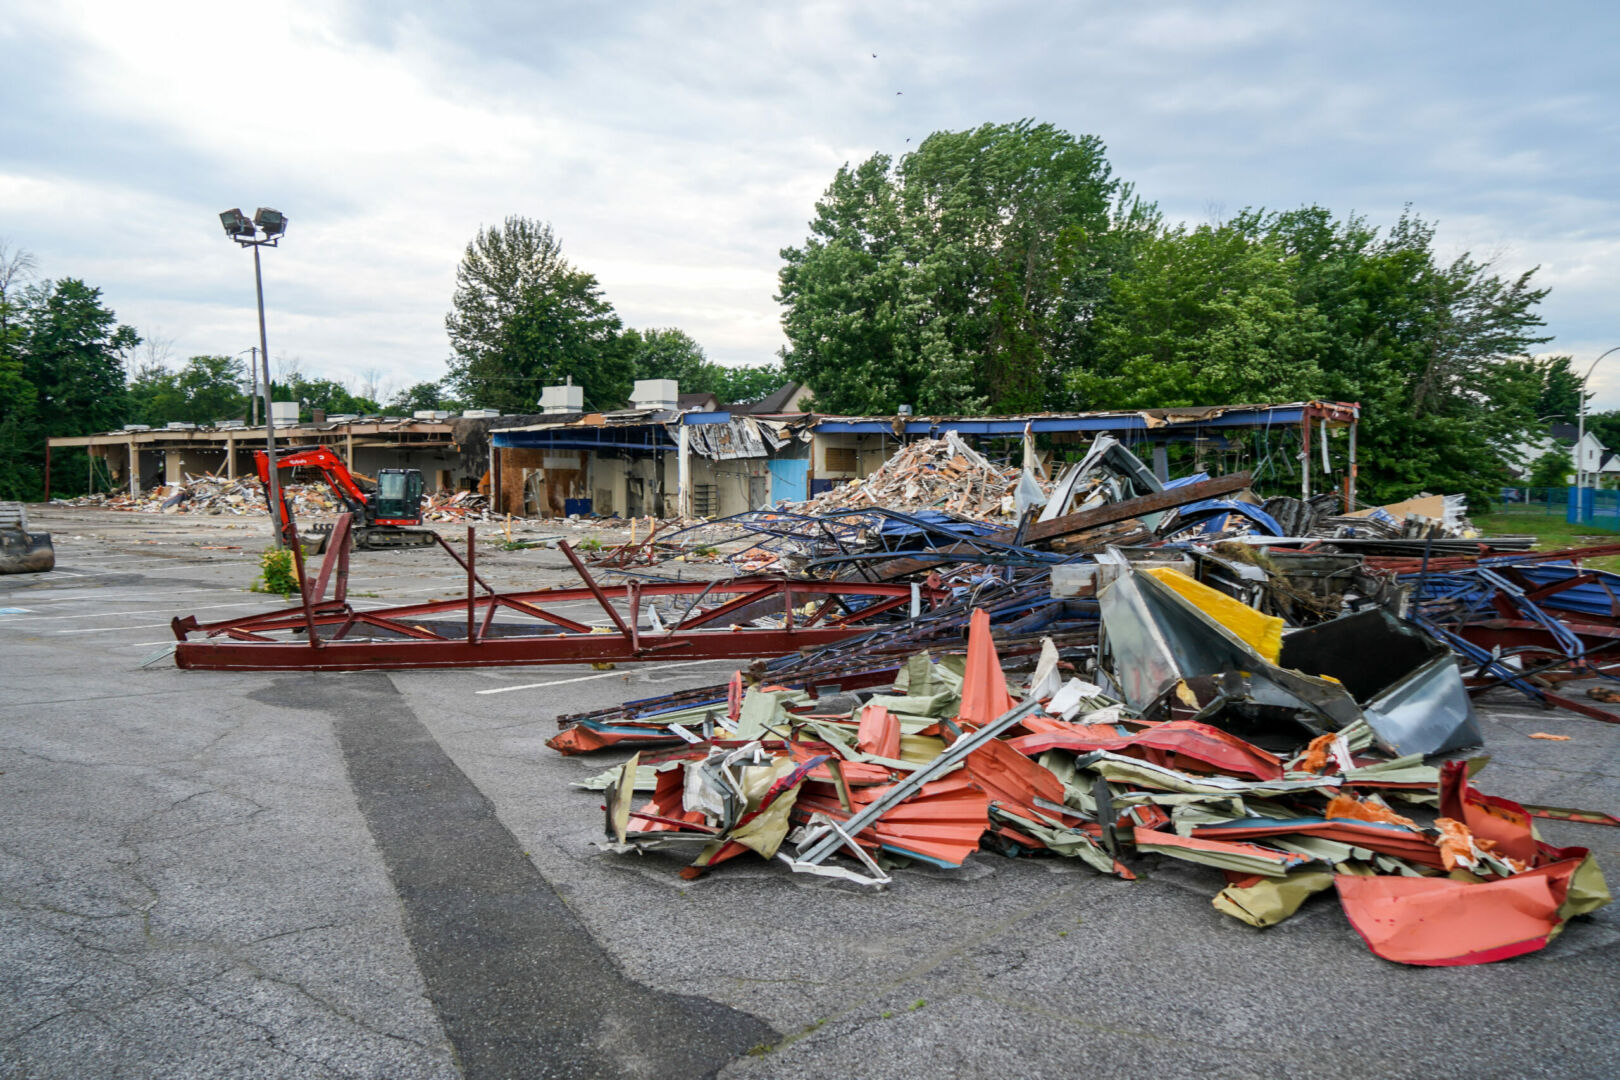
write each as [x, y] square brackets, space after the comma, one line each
[787, 479]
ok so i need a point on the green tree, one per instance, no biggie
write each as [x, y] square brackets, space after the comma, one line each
[671, 354]
[70, 380]
[1560, 398]
[522, 319]
[1206, 316]
[748, 383]
[155, 396]
[963, 278]
[1280, 306]
[422, 395]
[1555, 468]
[326, 394]
[18, 398]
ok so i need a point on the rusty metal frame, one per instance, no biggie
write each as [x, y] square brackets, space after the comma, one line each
[418, 634]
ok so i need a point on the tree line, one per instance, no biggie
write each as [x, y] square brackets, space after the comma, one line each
[1002, 269]
[1007, 269]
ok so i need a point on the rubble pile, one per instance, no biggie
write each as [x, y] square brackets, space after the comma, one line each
[456, 506]
[930, 474]
[209, 494]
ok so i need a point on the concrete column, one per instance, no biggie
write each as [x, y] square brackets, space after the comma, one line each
[1161, 462]
[348, 450]
[230, 457]
[683, 481]
[134, 470]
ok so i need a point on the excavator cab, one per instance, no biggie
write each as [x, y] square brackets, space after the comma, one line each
[398, 500]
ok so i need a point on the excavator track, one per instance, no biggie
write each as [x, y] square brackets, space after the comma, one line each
[386, 538]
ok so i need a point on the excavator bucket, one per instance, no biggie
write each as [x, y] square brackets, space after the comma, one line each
[21, 551]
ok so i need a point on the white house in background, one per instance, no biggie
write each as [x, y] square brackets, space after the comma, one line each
[1522, 457]
[1589, 454]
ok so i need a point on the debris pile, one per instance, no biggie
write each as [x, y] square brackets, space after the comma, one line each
[456, 506]
[930, 474]
[210, 494]
[1128, 670]
[1147, 673]
[1139, 755]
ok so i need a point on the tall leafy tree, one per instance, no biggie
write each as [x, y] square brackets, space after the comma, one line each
[522, 318]
[963, 277]
[70, 380]
[670, 354]
[1277, 306]
[1560, 397]
[18, 398]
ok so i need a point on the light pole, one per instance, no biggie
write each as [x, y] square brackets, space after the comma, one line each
[246, 233]
[1580, 432]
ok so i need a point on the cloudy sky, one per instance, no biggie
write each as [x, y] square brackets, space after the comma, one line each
[676, 148]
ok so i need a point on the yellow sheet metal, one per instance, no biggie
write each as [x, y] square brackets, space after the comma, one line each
[1261, 632]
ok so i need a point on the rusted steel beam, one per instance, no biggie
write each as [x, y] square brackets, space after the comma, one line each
[415, 638]
[437, 652]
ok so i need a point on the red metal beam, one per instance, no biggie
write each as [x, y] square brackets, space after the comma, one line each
[242, 644]
[346, 655]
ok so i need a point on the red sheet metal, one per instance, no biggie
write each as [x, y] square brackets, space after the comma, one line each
[879, 733]
[984, 686]
[1439, 922]
[1181, 744]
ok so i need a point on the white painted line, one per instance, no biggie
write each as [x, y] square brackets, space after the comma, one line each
[110, 614]
[588, 678]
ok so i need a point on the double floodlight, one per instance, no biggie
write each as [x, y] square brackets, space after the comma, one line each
[239, 228]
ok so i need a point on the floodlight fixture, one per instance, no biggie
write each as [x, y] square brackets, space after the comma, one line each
[273, 222]
[236, 224]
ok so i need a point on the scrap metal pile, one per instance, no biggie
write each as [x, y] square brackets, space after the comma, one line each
[1280, 716]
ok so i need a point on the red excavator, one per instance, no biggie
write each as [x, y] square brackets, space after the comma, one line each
[382, 518]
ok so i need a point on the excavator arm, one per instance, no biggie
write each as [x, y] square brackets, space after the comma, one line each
[336, 474]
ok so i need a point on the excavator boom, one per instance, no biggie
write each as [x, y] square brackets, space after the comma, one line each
[404, 508]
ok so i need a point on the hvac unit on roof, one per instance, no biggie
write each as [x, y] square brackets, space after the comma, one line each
[562, 399]
[660, 394]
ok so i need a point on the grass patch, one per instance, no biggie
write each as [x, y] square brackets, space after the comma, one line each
[1551, 532]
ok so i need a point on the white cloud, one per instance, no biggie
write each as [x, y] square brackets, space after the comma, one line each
[676, 148]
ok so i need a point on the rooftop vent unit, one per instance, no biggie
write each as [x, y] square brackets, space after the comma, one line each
[284, 413]
[230, 425]
[662, 395]
[486, 414]
[180, 425]
[342, 418]
[137, 427]
[905, 410]
[430, 414]
[562, 399]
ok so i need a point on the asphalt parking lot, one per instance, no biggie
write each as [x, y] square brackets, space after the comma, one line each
[374, 874]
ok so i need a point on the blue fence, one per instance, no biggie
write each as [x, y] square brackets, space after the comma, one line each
[1549, 501]
[1590, 506]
